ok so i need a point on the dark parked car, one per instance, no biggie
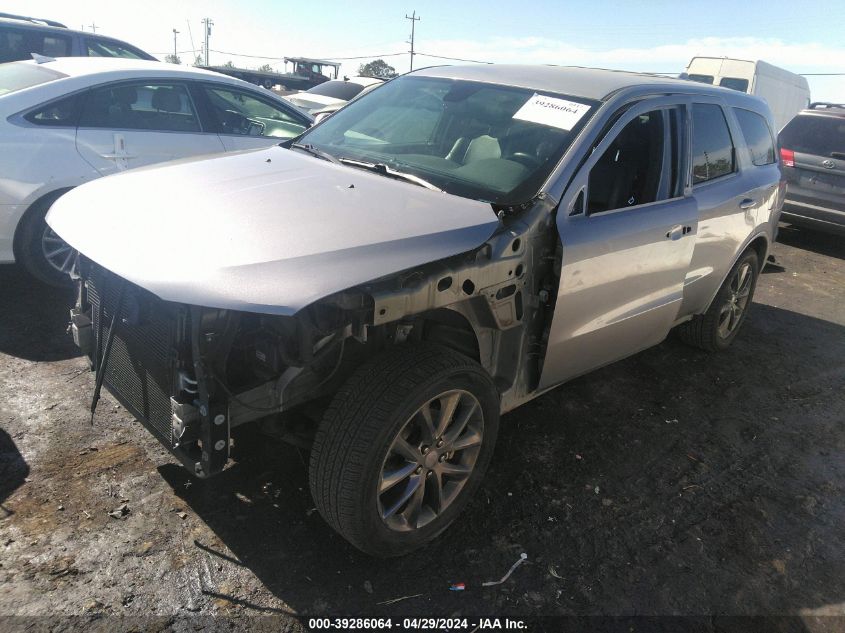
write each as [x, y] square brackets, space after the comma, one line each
[20, 37]
[813, 156]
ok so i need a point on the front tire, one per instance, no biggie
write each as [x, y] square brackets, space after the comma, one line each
[403, 446]
[716, 329]
[42, 252]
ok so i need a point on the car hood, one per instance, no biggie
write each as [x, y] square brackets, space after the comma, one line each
[265, 231]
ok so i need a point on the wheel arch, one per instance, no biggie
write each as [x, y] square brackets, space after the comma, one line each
[759, 243]
[453, 329]
[36, 207]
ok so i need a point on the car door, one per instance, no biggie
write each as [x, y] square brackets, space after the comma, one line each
[732, 196]
[627, 228]
[245, 119]
[130, 124]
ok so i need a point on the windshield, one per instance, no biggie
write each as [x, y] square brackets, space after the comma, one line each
[17, 76]
[476, 140]
[336, 89]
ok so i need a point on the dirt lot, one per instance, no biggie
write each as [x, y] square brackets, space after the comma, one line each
[675, 482]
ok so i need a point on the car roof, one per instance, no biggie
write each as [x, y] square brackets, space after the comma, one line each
[589, 83]
[82, 66]
[37, 24]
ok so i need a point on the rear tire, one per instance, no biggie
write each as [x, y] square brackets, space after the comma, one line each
[716, 329]
[403, 446]
[36, 240]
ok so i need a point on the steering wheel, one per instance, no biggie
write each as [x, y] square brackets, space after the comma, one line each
[525, 159]
[236, 123]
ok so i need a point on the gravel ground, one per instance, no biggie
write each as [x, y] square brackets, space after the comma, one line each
[674, 482]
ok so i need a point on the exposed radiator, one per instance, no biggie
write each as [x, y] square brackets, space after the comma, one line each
[141, 364]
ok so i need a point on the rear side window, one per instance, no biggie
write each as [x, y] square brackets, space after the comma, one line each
[162, 107]
[712, 148]
[19, 44]
[757, 136]
[814, 134]
[734, 84]
[12, 45]
[61, 113]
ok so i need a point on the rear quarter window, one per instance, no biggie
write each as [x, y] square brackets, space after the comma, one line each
[820, 135]
[757, 135]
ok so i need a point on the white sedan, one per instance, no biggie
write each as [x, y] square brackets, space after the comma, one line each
[332, 94]
[66, 121]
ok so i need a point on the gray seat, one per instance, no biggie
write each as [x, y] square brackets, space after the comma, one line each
[479, 148]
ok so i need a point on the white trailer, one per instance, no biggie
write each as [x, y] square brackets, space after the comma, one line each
[786, 93]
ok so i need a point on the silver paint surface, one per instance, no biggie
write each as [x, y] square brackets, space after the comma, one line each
[267, 231]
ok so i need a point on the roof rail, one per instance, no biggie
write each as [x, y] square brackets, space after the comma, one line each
[24, 18]
[823, 105]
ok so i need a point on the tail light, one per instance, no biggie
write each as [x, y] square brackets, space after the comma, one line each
[787, 157]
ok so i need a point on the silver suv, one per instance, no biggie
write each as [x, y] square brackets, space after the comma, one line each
[435, 254]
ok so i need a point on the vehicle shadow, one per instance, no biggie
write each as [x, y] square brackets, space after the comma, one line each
[818, 242]
[13, 470]
[674, 482]
[34, 318]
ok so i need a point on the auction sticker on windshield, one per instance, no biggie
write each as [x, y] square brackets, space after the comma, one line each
[550, 111]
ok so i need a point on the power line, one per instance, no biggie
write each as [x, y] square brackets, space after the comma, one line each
[456, 59]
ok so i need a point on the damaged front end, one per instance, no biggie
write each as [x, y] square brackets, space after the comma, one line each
[191, 374]
[194, 374]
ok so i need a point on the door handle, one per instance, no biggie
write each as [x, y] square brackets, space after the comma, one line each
[119, 155]
[747, 203]
[676, 232]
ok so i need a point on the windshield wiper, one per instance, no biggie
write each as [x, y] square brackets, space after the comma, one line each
[310, 149]
[381, 168]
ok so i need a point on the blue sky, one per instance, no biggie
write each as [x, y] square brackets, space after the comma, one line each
[655, 35]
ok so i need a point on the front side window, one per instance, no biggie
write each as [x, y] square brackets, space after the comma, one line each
[712, 148]
[477, 140]
[238, 112]
[162, 107]
[757, 136]
[640, 165]
[109, 48]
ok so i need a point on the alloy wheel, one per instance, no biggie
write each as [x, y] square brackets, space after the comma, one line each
[58, 253]
[734, 307]
[430, 460]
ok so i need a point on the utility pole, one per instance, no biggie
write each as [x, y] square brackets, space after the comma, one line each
[414, 19]
[93, 27]
[207, 22]
[175, 32]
